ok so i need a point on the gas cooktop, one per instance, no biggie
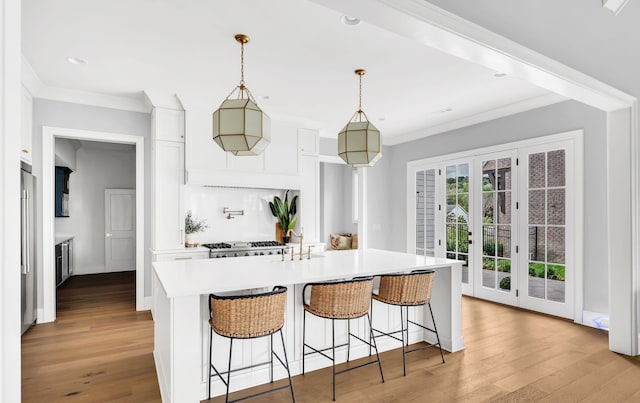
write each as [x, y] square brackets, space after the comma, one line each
[242, 248]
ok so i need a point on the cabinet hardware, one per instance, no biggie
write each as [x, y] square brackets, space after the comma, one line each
[183, 258]
[25, 151]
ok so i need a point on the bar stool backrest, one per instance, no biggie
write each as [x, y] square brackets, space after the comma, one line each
[407, 289]
[248, 316]
[343, 299]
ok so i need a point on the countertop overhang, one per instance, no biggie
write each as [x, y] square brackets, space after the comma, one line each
[203, 276]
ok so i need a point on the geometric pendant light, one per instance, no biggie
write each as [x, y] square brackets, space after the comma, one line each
[239, 125]
[359, 141]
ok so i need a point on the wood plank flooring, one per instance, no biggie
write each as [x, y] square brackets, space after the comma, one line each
[100, 350]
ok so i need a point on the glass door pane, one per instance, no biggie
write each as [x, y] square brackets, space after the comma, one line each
[496, 223]
[426, 212]
[458, 215]
[547, 225]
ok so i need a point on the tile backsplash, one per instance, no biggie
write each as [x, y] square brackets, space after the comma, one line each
[257, 223]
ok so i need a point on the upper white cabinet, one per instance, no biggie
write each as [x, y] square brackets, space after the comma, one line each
[168, 124]
[309, 142]
[167, 158]
[168, 171]
[26, 132]
[207, 164]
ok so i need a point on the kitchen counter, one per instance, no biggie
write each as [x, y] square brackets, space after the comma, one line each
[180, 310]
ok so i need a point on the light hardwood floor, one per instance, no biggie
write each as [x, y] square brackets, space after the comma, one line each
[100, 350]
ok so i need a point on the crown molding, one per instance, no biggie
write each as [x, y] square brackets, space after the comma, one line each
[29, 78]
[517, 107]
[32, 82]
[615, 6]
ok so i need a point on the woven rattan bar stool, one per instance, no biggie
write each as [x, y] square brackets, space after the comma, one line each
[340, 300]
[248, 317]
[405, 290]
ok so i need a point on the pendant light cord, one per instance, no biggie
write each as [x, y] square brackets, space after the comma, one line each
[242, 66]
[360, 100]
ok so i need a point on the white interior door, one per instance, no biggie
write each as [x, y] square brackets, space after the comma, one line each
[120, 229]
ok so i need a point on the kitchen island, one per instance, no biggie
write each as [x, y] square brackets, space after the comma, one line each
[180, 297]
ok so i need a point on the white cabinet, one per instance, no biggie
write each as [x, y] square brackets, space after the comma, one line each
[26, 132]
[167, 124]
[282, 156]
[168, 171]
[309, 205]
[309, 142]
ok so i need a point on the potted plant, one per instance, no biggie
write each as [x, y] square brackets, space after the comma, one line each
[192, 226]
[285, 213]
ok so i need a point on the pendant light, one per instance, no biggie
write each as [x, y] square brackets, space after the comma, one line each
[239, 125]
[359, 141]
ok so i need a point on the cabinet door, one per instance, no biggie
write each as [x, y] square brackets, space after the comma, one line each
[167, 196]
[309, 142]
[168, 124]
[309, 205]
[281, 157]
[26, 126]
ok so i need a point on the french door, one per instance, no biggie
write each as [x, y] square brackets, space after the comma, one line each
[509, 216]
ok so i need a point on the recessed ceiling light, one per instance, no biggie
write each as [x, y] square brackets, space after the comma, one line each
[381, 119]
[350, 21]
[445, 110]
[76, 60]
[499, 74]
[264, 97]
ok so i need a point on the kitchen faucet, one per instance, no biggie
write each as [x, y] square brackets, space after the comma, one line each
[300, 235]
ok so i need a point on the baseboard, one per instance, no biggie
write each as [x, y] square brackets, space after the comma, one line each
[40, 316]
[148, 301]
[89, 270]
[595, 319]
[164, 393]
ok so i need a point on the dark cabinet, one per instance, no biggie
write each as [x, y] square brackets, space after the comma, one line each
[62, 191]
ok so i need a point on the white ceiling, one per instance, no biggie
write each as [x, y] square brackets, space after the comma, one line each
[300, 55]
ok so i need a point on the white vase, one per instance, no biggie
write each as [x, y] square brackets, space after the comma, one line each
[189, 239]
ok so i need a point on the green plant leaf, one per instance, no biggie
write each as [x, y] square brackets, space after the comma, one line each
[273, 209]
[294, 205]
[293, 223]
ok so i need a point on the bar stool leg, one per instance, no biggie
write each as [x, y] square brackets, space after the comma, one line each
[304, 322]
[436, 329]
[210, 348]
[371, 327]
[348, 339]
[333, 356]
[284, 349]
[271, 357]
[404, 367]
[407, 320]
[229, 370]
[375, 346]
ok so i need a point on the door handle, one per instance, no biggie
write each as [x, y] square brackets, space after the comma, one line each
[108, 234]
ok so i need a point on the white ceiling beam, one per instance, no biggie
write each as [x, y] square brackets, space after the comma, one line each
[432, 26]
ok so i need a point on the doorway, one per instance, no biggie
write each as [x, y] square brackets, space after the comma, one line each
[510, 213]
[113, 140]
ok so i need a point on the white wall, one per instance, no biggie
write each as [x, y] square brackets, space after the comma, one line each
[85, 117]
[335, 200]
[66, 153]
[257, 223]
[97, 169]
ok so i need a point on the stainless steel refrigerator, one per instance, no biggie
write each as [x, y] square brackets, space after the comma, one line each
[28, 255]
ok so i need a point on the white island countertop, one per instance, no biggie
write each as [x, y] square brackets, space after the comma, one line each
[203, 276]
